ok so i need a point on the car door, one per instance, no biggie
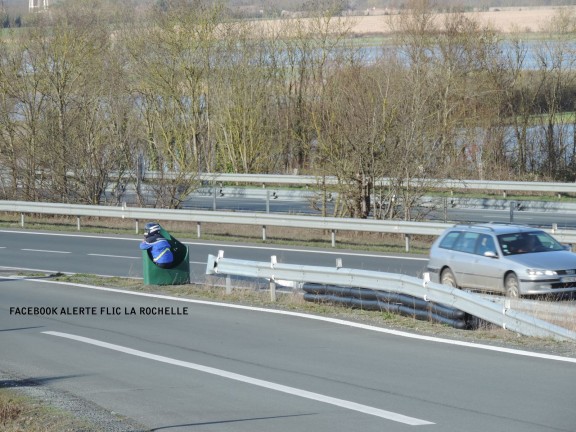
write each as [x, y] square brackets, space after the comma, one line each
[463, 258]
[487, 273]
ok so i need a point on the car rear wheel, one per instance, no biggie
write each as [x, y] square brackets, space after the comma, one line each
[511, 286]
[447, 278]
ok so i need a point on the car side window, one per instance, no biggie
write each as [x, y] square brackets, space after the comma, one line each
[449, 240]
[485, 244]
[467, 242]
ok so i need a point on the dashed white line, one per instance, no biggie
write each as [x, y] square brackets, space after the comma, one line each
[46, 251]
[231, 245]
[400, 418]
[135, 258]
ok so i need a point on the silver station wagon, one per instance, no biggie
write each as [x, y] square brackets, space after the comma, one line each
[512, 259]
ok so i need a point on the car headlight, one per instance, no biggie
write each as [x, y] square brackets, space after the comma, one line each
[541, 272]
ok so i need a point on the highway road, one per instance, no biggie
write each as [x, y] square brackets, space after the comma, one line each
[472, 215]
[120, 256]
[182, 365]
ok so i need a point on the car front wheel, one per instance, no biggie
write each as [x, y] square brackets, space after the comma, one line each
[447, 278]
[511, 286]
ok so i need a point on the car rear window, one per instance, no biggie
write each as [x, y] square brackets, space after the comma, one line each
[467, 242]
[449, 240]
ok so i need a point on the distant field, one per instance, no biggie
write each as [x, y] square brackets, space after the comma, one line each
[509, 20]
[522, 20]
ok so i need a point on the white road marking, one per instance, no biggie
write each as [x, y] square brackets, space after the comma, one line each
[131, 257]
[249, 380]
[46, 251]
[113, 256]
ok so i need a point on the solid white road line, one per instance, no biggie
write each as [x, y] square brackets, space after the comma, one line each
[313, 317]
[249, 380]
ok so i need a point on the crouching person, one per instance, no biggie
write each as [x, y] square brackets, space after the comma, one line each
[159, 247]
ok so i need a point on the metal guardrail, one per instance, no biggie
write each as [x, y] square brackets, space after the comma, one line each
[259, 219]
[307, 180]
[470, 303]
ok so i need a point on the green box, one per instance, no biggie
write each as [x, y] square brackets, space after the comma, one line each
[178, 274]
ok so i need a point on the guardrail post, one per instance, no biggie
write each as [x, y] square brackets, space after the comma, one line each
[407, 242]
[333, 235]
[214, 198]
[512, 206]
[228, 285]
[263, 232]
[198, 233]
[22, 220]
[273, 262]
[267, 201]
[137, 225]
[78, 223]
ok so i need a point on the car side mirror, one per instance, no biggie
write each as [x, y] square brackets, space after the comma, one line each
[490, 254]
[567, 247]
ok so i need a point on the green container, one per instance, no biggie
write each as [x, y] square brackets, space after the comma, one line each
[178, 274]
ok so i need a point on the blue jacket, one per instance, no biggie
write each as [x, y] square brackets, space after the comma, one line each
[160, 249]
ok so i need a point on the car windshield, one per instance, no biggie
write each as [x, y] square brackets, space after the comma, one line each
[528, 242]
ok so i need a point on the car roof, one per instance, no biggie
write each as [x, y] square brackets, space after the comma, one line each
[496, 228]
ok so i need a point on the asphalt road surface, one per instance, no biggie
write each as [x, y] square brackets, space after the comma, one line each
[180, 365]
[120, 256]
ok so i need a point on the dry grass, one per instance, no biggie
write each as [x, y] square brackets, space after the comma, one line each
[20, 413]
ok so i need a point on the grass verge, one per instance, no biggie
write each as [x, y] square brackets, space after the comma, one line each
[19, 413]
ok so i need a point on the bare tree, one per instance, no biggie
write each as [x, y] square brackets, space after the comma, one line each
[556, 60]
[243, 117]
[172, 58]
[304, 51]
[353, 124]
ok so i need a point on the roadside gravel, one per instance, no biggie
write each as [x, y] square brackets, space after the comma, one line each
[87, 416]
